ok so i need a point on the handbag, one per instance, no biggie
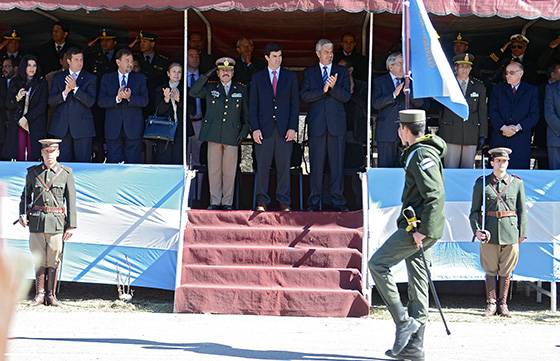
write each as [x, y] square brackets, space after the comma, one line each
[160, 127]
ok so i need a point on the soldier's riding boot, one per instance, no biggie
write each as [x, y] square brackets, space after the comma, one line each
[51, 284]
[504, 292]
[414, 350]
[406, 326]
[490, 296]
[39, 287]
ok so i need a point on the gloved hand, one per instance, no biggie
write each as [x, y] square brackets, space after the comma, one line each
[210, 72]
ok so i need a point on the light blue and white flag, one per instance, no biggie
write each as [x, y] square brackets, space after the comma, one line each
[432, 74]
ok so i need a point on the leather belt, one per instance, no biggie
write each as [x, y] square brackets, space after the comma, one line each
[49, 209]
[501, 214]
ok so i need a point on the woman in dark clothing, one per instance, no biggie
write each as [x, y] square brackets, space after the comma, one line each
[26, 103]
[169, 102]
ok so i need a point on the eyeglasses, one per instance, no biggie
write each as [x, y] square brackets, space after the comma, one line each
[511, 72]
[517, 46]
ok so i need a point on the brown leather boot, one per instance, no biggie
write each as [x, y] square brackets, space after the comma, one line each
[39, 287]
[51, 287]
[504, 292]
[490, 296]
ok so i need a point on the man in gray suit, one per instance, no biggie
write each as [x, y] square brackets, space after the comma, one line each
[462, 136]
[552, 117]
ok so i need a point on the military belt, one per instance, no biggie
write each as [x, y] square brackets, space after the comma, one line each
[49, 209]
[501, 214]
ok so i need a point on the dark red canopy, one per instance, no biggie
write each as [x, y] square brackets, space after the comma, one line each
[528, 9]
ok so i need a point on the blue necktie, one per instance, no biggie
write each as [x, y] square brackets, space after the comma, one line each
[325, 75]
[123, 81]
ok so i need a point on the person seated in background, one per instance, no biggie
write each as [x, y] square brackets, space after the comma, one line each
[350, 53]
[247, 64]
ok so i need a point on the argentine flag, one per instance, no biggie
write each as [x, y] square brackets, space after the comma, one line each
[430, 69]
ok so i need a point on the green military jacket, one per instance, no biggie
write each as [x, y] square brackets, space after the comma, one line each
[505, 230]
[455, 130]
[49, 199]
[423, 186]
[227, 116]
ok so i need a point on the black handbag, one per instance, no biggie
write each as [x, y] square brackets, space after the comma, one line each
[160, 127]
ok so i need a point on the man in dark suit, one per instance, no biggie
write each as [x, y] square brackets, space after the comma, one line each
[326, 88]
[196, 108]
[123, 94]
[8, 72]
[246, 65]
[50, 53]
[72, 95]
[388, 100]
[274, 114]
[552, 117]
[514, 112]
[350, 54]
[463, 137]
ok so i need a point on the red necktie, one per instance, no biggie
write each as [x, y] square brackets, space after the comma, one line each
[274, 82]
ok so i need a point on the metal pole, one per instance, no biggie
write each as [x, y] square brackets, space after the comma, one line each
[185, 88]
[406, 52]
[365, 237]
[370, 78]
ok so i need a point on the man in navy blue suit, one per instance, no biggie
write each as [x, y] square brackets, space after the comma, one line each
[514, 112]
[72, 95]
[388, 100]
[123, 94]
[326, 87]
[274, 114]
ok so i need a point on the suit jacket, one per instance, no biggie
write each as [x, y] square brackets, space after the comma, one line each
[455, 130]
[388, 108]
[127, 115]
[359, 62]
[74, 113]
[266, 110]
[48, 56]
[508, 109]
[552, 114]
[326, 110]
[36, 113]
[243, 73]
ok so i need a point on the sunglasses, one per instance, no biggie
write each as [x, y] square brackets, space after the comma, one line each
[517, 46]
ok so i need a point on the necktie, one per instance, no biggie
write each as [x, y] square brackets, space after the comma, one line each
[191, 80]
[464, 86]
[513, 90]
[325, 75]
[108, 55]
[226, 89]
[275, 82]
[74, 76]
[147, 58]
[58, 47]
[123, 81]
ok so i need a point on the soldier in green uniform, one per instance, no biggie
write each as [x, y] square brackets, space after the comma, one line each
[505, 227]
[48, 207]
[224, 126]
[424, 192]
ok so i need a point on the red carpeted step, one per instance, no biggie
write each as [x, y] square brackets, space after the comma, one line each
[334, 237]
[351, 220]
[272, 256]
[278, 301]
[288, 277]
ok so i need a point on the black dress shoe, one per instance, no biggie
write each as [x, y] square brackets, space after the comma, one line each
[284, 207]
[340, 208]
[213, 207]
[227, 208]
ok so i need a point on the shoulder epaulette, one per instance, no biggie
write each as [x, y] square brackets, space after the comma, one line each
[516, 176]
[163, 56]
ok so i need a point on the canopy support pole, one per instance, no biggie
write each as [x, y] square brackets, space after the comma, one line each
[370, 78]
[208, 30]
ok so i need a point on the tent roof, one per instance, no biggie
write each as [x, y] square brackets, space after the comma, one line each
[528, 9]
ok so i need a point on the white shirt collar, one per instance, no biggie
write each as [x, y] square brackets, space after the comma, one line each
[77, 72]
[516, 86]
[329, 67]
[61, 45]
[272, 75]
[121, 75]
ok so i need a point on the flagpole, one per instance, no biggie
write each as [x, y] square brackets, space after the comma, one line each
[406, 52]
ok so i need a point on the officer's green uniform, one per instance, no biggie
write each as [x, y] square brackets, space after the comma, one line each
[49, 202]
[224, 126]
[424, 192]
[155, 69]
[506, 221]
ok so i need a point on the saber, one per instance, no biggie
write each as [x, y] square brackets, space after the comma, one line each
[410, 217]
[483, 208]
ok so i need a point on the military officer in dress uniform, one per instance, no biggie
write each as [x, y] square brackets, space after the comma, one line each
[224, 126]
[505, 227]
[424, 192]
[463, 137]
[11, 47]
[48, 207]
